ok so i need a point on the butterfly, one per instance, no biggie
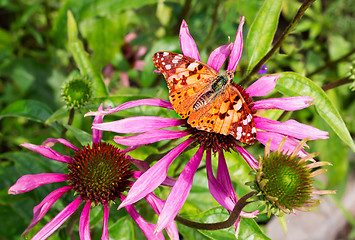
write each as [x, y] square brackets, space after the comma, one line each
[208, 99]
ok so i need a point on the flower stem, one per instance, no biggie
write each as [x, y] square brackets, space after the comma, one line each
[336, 83]
[220, 225]
[332, 63]
[213, 25]
[70, 120]
[279, 42]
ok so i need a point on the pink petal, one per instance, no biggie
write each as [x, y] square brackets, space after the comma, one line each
[147, 228]
[29, 182]
[129, 37]
[149, 137]
[104, 235]
[131, 104]
[154, 176]
[290, 128]
[47, 152]
[288, 103]
[253, 163]
[41, 209]
[141, 51]
[57, 221]
[158, 205]
[179, 192]
[187, 43]
[139, 65]
[50, 142]
[144, 166]
[124, 79]
[84, 227]
[141, 165]
[237, 48]
[276, 138]
[138, 124]
[236, 227]
[218, 56]
[223, 176]
[217, 190]
[262, 86]
[97, 134]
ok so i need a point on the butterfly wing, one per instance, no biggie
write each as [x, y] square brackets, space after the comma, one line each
[228, 113]
[187, 79]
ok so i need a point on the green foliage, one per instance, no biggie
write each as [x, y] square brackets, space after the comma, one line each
[44, 43]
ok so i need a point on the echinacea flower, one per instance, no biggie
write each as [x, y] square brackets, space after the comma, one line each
[98, 174]
[284, 182]
[151, 130]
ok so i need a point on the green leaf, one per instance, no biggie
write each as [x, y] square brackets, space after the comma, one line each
[30, 109]
[293, 84]
[335, 152]
[105, 36]
[108, 7]
[83, 137]
[248, 228]
[262, 31]
[59, 114]
[82, 58]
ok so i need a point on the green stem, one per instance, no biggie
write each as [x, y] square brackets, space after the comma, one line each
[332, 63]
[279, 42]
[70, 121]
[213, 25]
[220, 225]
[336, 83]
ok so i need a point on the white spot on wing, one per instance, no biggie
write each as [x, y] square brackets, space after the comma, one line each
[253, 130]
[175, 61]
[168, 67]
[165, 54]
[192, 66]
[238, 106]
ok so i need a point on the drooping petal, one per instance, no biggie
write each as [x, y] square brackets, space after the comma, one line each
[288, 103]
[236, 227]
[217, 190]
[29, 182]
[276, 138]
[147, 228]
[153, 177]
[253, 163]
[158, 205]
[144, 166]
[57, 221]
[84, 224]
[150, 137]
[290, 128]
[138, 124]
[104, 235]
[218, 56]
[97, 134]
[47, 152]
[262, 86]
[131, 104]
[50, 142]
[237, 48]
[41, 209]
[187, 43]
[223, 176]
[179, 192]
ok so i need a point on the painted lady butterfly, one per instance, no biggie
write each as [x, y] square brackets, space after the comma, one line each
[207, 98]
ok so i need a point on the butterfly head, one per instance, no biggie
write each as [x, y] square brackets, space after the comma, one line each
[230, 75]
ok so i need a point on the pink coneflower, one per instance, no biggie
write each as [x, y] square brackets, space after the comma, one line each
[98, 174]
[151, 129]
